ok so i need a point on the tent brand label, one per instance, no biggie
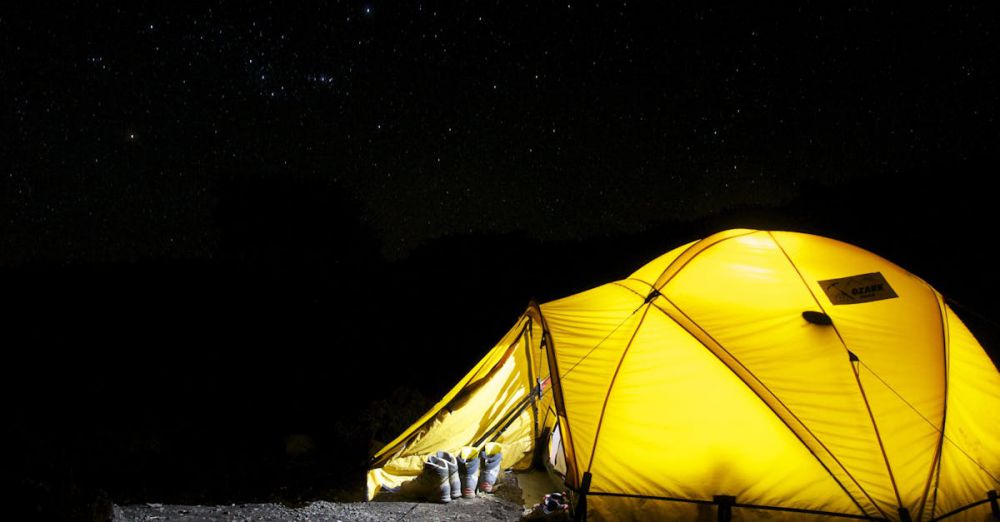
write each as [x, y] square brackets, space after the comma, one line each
[862, 288]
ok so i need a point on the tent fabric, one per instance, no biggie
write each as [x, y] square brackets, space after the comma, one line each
[699, 379]
[489, 404]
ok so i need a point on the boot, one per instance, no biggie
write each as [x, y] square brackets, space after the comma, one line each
[489, 466]
[431, 484]
[554, 506]
[456, 488]
[468, 471]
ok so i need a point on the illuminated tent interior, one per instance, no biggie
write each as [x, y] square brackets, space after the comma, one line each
[752, 374]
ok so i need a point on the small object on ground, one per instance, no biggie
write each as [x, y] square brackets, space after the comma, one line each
[489, 466]
[554, 506]
[468, 471]
[455, 486]
[433, 482]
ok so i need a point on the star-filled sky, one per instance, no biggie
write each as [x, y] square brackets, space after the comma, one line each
[124, 125]
[242, 210]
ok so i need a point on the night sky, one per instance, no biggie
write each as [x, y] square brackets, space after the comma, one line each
[564, 120]
[216, 222]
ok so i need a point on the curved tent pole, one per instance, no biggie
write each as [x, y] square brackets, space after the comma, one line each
[572, 470]
[991, 498]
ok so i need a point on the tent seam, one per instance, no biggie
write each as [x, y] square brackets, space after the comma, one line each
[528, 341]
[936, 464]
[611, 385]
[773, 410]
[947, 377]
[694, 255]
[857, 377]
[878, 435]
[572, 469]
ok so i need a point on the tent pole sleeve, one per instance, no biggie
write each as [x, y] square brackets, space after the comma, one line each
[580, 513]
[506, 420]
[725, 503]
[572, 469]
[499, 429]
[526, 338]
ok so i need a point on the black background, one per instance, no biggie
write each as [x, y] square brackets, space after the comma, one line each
[239, 243]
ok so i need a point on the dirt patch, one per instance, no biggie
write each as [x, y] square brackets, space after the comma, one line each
[482, 508]
[504, 505]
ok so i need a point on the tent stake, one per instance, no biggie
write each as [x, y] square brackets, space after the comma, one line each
[725, 503]
[581, 503]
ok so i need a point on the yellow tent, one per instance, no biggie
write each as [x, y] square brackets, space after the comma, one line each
[754, 375]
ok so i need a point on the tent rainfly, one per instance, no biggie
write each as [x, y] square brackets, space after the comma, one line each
[750, 375]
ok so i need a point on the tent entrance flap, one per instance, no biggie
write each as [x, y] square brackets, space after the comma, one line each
[499, 400]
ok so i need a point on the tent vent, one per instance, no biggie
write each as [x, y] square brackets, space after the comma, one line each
[817, 318]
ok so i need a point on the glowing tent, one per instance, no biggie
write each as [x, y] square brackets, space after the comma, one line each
[754, 375]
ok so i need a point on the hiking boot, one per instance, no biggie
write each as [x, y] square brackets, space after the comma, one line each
[431, 484]
[489, 466]
[468, 471]
[452, 472]
[554, 506]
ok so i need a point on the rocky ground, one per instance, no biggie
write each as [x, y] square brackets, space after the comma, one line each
[504, 505]
[484, 508]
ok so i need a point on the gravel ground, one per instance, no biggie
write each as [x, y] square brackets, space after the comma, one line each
[505, 505]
